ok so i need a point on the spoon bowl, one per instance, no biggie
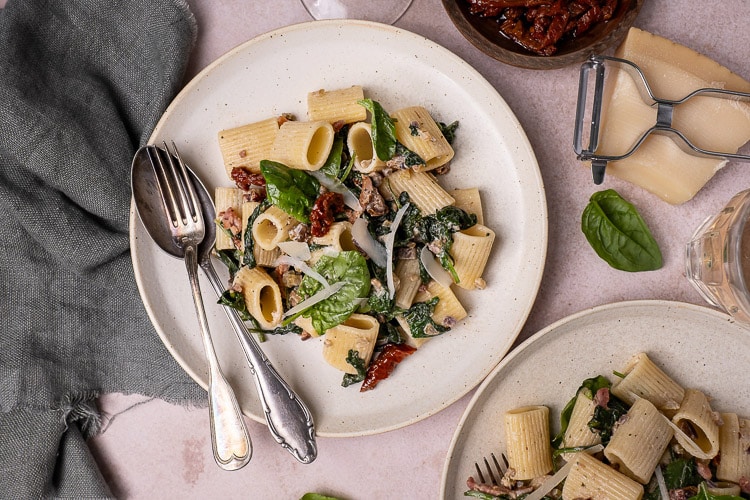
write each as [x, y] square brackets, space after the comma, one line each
[289, 419]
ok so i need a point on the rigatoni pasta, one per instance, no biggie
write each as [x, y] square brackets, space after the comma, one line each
[695, 414]
[417, 130]
[339, 105]
[471, 251]
[262, 296]
[424, 191]
[247, 145]
[337, 229]
[528, 443]
[590, 478]
[639, 451]
[639, 441]
[643, 379]
[302, 145]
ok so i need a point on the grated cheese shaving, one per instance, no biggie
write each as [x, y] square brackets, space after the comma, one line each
[389, 242]
[314, 299]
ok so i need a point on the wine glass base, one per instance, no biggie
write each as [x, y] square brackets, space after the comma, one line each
[368, 10]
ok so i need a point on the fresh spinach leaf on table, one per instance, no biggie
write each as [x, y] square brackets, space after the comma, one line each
[618, 234]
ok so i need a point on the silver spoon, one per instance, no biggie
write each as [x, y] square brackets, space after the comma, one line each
[289, 420]
[177, 224]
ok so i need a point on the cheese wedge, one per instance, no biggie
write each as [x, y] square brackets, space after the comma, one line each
[661, 164]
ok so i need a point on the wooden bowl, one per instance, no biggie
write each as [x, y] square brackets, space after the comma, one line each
[484, 34]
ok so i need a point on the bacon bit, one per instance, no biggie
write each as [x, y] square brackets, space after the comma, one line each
[300, 232]
[324, 212]
[703, 470]
[232, 222]
[286, 117]
[601, 398]
[744, 483]
[489, 489]
[245, 179]
[338, 125]
[385, 363]
[371, 199]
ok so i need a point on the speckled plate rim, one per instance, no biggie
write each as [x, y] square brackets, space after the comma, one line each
[688, 341]
[271, 74]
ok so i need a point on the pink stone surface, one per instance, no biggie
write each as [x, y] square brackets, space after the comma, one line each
[151, 449]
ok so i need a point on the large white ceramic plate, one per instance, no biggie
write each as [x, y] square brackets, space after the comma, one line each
[272, 74]
[697, 346]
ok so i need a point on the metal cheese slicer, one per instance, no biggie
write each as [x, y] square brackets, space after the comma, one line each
[665, 108]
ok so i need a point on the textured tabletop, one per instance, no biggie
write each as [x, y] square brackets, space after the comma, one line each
[154, 450]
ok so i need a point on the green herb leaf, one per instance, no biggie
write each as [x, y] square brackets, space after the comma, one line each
[358, 363]
[618, 234]
[411, 159]
[383, 130]
[293, 191]
[449, 131]
[231, 259]
[236, 301]
[317, 496]
[589, 388]
[349, 267]
[332, 166]
[248, 256]
[681, 473]
[419, 319]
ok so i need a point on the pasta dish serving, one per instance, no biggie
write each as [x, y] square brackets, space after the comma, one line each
[337, 228]
[640, 436]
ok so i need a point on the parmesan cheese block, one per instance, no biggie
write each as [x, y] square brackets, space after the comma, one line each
[662, 164]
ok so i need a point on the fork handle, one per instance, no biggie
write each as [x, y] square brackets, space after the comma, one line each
[230, 440]
[289, 420]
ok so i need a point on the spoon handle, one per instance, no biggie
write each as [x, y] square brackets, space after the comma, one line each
[232, 448]
[289, 419]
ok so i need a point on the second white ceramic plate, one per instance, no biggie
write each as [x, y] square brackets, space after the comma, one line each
[272, 74]
[698, 347]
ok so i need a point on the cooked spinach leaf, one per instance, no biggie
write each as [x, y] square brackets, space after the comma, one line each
[449, 131]
[349, 267]
[231, 259]
[589, 387]
[248, 255]
[411, 159]
[383, 130]
[293, 191]
[618, 234]
[440, 228]
[604, 419]
[359, 364]
[332, 166]
[419, 319]
[236, 301]
[680, 473]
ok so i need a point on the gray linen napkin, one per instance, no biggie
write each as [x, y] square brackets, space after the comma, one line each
[82, 84]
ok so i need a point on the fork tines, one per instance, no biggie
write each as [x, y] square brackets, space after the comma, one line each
[494, 475]
[177, 192]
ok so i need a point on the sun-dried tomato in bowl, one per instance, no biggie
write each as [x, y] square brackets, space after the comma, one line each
[540, 26]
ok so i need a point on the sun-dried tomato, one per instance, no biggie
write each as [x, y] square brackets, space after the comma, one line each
[541, 25]
[324, 212]
[385, 363]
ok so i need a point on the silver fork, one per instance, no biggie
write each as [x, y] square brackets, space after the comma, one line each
[231, 444]
[501, 467]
